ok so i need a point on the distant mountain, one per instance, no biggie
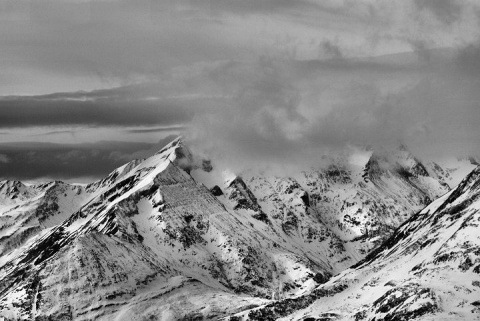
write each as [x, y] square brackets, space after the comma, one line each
[173, 237]
[429, 269]
[358, 199]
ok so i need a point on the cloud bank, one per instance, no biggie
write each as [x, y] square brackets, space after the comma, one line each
[248, 82]
[294, 112]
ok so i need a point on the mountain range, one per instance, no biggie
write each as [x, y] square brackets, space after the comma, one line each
[375, 235]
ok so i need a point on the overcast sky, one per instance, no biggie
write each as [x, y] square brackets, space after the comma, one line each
[88, 85]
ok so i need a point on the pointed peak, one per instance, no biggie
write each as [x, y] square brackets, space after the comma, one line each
[8, 182]
[235, 180]
[177, 142]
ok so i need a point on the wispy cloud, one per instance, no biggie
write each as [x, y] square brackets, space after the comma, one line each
[156, 130]
[56, 132]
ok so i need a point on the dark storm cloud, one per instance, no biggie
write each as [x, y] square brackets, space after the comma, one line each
[33, 160]
[113, 107]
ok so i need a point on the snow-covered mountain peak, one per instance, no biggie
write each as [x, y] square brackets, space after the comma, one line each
[154, 208]
[13, 189]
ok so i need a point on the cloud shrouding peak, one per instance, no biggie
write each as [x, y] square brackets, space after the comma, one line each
[290, 111]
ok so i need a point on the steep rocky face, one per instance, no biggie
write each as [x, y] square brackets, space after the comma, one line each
[354, 204]
[429, 269]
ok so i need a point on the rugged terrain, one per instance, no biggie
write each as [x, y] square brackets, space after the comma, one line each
[428, 270]
[172, 236]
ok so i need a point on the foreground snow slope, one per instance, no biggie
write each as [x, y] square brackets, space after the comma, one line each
[429, 269]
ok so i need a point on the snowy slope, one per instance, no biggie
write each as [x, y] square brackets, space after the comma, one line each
[149, 233]
[428, 270]
[28, 211]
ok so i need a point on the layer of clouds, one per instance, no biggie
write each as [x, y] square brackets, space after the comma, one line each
[125, 106]
[55, 45]
[71, 162]
[156, 130]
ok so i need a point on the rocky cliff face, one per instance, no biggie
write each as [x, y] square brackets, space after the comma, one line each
[429, 269]
[350, 206]
[168, 237]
